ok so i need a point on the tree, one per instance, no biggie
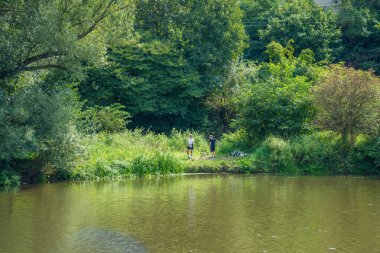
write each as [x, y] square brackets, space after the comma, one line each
[210, 32]
[257, 14]
[277, 101]
[37, 130]
[215, 37]
[57, 34]
[361, 34]
[303, 21]
[224, 100]
[154, 82]
[180, 53]
[348, 103]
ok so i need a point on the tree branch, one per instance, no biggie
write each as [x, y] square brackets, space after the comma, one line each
[40, 57]
[40, 67]
[96, 22]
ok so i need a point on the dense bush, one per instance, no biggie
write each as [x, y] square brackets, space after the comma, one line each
[366, 156]
[109, 119]
[275, 155]
[277, 101]
[317, 153]
[348, 103]
[235, 141]
[9, 178]
[37, 132]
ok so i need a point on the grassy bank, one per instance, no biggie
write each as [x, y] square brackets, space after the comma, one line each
[133, 153]
[137, 154]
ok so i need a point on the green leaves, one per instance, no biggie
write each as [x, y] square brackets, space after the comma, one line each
[153, 81]
[303, 21]
[277, 101]
[40, 35]
[36, 129]
[348, 102]
[108, 119]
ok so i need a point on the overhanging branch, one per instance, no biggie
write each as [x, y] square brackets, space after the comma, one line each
[96, 22]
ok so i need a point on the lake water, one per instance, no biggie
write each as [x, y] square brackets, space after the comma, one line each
[194, 213]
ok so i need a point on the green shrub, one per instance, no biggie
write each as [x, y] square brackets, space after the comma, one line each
[166, 164]
[37, 130]
[317, 153]
[236, 141]
[9, 178]
[366, 156]
[122, 168]
[274, 155]
[102, 169]
[108, 119]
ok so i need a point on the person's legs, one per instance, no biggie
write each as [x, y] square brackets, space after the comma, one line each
[212, 151]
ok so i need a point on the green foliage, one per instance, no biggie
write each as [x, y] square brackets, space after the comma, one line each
[302, 21]
[9, 178]
[277, 101]
[108, 119]
[154, 82]
[179, 55]
[127, 154]
[367, 156]
[361, 34]
[55, 34]
[224, 100]
[158, 164]
[168, 64]
[275, 155]
[215, 37]
[348, 103]
[37, 130]
[317, 153]
[235, 141]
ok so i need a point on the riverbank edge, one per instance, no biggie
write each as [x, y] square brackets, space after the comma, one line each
[220, 165]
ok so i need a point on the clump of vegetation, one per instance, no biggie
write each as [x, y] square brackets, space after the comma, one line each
[108, 119]
[9, 178]
[348, 103]
[317, 153]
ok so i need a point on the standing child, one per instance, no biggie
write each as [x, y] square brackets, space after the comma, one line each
[190, 146]
[212, 146]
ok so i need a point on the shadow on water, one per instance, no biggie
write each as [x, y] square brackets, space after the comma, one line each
[99, 240]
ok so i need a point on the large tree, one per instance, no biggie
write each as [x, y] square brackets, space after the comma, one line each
[361, 33]
[181, 51]
[54, 34]
[210, 32]
[303, 21]
[154, 81]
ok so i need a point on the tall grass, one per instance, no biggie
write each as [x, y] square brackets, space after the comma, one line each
[275, 155]
[133, 153]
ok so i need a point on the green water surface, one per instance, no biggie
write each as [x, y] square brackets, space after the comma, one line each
[194, 213]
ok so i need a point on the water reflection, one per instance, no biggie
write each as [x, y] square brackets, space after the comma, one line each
[195, 214]
[99, 240]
